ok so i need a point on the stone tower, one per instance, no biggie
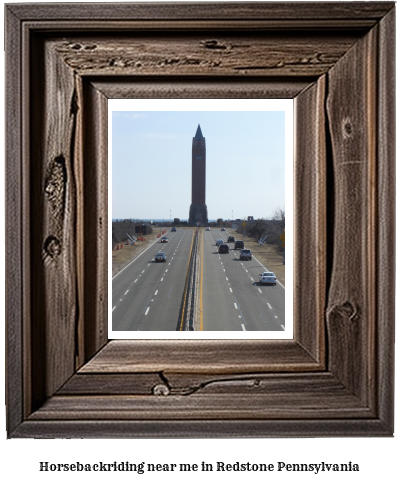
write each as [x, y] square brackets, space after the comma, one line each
[198, 209]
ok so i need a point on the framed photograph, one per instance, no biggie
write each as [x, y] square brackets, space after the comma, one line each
[216, 277]
[334, 377]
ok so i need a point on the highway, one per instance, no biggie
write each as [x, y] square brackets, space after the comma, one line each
[147, 296]
[232, 297]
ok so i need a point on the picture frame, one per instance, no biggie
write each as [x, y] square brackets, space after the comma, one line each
[335, 378]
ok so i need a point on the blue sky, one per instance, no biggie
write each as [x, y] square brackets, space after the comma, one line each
[151, 163]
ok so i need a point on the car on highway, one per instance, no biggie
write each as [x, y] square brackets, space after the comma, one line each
[160, 257]
[173, 229]
[268, 278]
[164, 240]
[231, 239]
[239, 244]
[245, 254]
[223, 230]
[224, 249]
[219, 241]
[207, 229]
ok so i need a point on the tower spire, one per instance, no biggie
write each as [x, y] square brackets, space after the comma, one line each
[198, 134]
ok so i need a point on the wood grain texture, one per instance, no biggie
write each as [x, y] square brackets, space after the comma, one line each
[183, 87]
[189, 428]
[360, 13]
[15, 210]
[200, 356]
[351, 306]
[240, 55]
[335, 377]
[95, 227]
[310, 214]
[385, 245]
[53, 218]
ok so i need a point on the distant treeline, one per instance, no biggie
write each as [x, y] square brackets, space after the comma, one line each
[260, 228]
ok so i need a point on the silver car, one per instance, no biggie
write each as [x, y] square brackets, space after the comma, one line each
[219, 241]
[160, 257]
[268, 278]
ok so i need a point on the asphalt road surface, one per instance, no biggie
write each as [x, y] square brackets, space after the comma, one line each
[233, 299]
[147, 296]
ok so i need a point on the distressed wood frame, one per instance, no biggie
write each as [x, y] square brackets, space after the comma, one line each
[64, 379]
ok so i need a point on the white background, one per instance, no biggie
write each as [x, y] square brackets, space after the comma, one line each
[377, 458]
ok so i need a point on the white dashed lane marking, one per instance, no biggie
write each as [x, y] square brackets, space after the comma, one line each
[148, 309]
[126, 292]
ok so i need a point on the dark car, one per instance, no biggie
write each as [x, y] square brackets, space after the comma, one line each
[164, 240]
[224, 249]
[239, 244]
[173, 229]
[160, 257]
[231, 239]
[223, 230]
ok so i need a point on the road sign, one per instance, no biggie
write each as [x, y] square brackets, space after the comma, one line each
[282, 236]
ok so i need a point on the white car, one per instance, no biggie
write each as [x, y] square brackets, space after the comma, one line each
[268, 278]
[219, 241]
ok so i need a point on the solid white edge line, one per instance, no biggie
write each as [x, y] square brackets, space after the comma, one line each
[134, 259]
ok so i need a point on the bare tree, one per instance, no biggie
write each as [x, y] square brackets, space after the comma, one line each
[279, 214]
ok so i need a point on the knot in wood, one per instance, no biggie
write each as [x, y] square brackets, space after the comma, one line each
[52, 246]
[347, 128]
[161, 390]
[213, 44]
